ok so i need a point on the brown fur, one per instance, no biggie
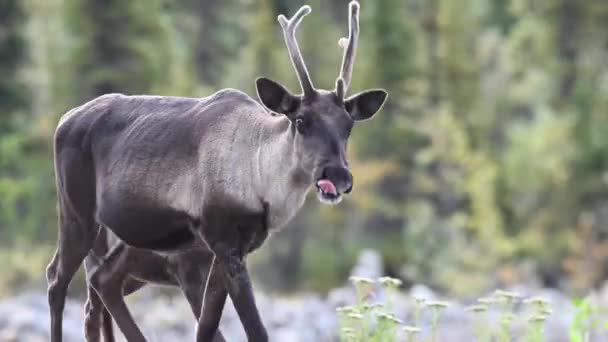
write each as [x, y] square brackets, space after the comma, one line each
[164, 173]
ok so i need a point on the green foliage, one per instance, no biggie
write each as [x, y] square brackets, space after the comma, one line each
[390, 40]
[213, 34]
[26, 189]
[369, 322]
[492, 145]
[587, 319]
[364, 321]
[12, 52]
[21, 265]
[121, 46]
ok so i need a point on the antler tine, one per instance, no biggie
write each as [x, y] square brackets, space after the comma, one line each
[349, 45]
[340, 91]
[289, 33]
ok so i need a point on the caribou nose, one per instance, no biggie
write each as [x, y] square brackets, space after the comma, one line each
[340, 177]
[350, 187]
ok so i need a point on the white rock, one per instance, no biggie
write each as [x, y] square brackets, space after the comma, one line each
[369, 264]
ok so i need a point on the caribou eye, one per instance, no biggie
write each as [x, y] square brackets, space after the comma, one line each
[301, 125]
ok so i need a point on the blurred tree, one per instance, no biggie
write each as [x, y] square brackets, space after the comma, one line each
[500, 15]
[261, 56]
[215, 35]
[491, 148]
[121, 46]
[48, 68]
[13, 102]
[12, 53]
[386, 58]
[584, 73]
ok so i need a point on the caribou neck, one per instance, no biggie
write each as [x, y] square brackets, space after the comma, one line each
[280, 180]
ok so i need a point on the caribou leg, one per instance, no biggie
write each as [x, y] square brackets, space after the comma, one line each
[237, 281]
[108, 279]
[229, 259]
[93, 309]
[214, 298]
[75, 241]
[99, 315]
[107, 326]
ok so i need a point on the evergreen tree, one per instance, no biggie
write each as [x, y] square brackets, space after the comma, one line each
[12, 53]
[215, 35]
[264, 53]
[120, 46]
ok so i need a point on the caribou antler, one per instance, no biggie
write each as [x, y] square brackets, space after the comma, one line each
[350, 48]
[289, 33]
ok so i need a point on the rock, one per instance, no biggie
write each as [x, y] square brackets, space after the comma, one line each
[341, 296]
[369, 265]
[423, 292]
[303, 318]
[603, 295]
[26, 318]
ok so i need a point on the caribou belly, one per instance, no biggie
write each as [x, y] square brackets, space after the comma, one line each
[144, 225]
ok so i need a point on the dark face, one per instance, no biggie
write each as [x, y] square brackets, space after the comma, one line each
[322, 126]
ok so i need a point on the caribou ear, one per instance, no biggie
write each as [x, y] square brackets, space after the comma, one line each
[276, 97]
[364, 105]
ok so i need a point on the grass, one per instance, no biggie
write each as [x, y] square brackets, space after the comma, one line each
[23, 267]
[365, 321]
[587, 318]
[375, 322]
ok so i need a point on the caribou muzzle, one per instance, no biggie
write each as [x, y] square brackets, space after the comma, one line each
[333, 183]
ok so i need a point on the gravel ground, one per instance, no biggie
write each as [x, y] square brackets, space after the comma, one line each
[301, 318]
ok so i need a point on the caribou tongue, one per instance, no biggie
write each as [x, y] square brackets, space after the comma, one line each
[327, 186]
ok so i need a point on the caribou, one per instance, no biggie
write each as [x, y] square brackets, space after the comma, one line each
[124, 270]
[167, 173]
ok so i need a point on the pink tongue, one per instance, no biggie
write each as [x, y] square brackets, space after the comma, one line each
[327, 186]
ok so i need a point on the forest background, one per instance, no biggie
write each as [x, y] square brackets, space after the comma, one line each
[487, 167]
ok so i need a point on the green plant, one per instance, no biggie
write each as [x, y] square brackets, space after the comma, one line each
[507, 301]
[366, 321]
[418, 306]
[587, 319]
[375, 322]
[21, 267]
[391, 286]
[480, 330]
[410, 333]
[437, 308]
[540, 311]
[536, 331]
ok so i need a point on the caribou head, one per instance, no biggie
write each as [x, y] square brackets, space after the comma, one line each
[322, 119]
